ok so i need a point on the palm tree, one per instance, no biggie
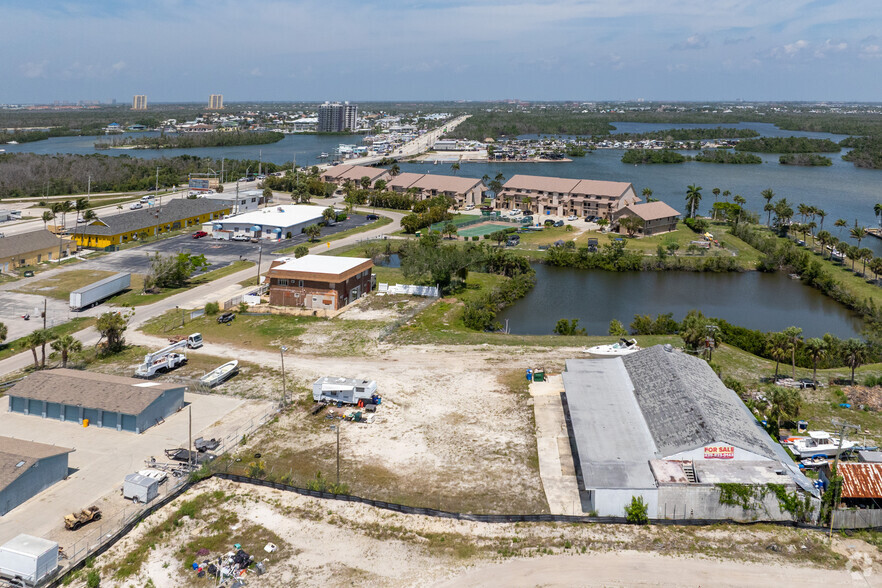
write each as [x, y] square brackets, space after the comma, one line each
[38, 338]
[876, 267]
[313, 232]
[851, 252]
[840, 222]
[821, 214]
[48, 215]
[858, 234]
[783, 404]
[804, 211]
[877, 208]
[768, 195]
[726, 194]
[740, 201]
[794, 339]
[816, 350]
[89, 216]
[855, 353]
[647, 193]
[811, 227]
[866, 255]
[395, 170]
[455, 167]
[693, 197]
[67, 345]
[776, 347]
[823, 238]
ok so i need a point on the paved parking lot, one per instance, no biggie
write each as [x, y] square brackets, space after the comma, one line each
[103, 457]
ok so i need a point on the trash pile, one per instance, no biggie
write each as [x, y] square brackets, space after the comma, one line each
[234, 564]
[871, 398]
[358, 415]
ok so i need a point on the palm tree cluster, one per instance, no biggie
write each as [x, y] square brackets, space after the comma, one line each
[65, 345]
[785, 345]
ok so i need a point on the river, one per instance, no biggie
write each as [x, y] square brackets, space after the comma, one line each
[763, 301]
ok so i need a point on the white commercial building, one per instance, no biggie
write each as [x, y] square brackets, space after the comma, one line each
[244, 201]
[274, 223]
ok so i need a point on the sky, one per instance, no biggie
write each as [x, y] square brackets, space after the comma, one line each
[311, 50]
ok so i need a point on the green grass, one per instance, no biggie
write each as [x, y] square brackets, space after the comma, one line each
[134, 296]
[61, 285]
[261, 332]
[15, 346]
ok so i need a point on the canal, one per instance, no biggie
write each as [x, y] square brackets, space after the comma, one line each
[767, 302]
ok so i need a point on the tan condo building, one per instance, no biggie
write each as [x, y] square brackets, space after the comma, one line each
[563, 196]
[216, 102]
[139, 102]
[657, 217]
[464, 191]
[340, 174]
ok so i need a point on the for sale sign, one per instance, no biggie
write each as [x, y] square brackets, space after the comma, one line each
[719, 452]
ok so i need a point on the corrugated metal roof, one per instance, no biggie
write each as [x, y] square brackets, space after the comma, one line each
[861, 480]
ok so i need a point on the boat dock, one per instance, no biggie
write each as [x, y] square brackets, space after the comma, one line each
[875, 233]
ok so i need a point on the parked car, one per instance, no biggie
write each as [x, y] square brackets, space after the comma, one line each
[240, 238]
[548, 222]
[373, 217]
[226, 317]
[515, 212]
[572, 217]
[590, 219]
[559, 223]
[146, 199]
[527, 220]
[470, 207]
[136, 206]
[199, 234]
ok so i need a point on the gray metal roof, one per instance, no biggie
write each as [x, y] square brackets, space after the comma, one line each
[18, 245]
[91, 390]
[135, 220]
[612, 439]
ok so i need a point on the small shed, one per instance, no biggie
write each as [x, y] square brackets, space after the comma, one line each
[28, 558]
[140, 488]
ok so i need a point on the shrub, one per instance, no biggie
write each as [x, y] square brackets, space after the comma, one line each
[212, 308]
[636, 512]
[93, 580]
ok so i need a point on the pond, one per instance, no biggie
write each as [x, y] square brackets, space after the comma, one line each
[767, 302]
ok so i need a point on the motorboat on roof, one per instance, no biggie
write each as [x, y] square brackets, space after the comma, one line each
[622, 347]
[819, 443]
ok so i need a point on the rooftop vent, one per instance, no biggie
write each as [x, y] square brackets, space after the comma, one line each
[669, 348]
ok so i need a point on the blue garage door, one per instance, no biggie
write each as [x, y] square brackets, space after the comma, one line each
[71, 413]
[53, 410]
[129, 423]
[94, 415]
[18, 404]
[108, 419]
[35, 407]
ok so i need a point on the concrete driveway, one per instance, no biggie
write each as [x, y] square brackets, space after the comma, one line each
[103, 457]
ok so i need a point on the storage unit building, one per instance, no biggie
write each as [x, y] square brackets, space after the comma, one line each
[29, 559]
[124, 404]
[27, 468]
[140, 488]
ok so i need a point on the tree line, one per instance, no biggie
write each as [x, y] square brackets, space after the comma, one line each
[195, 140]
[788, 145]
[866, 151]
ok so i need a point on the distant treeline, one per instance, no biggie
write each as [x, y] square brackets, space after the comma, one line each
[496, 124]
[31, 136]
[866, 151]
[31, 175]
[724, 156]
[690, 134]
[653, 156]
[788, 145]
[195, 140]
[805, 159]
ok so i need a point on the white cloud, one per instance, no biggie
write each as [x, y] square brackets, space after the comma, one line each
[830, 46]
[33, 69]
[794, 48]
[118, 66]
[693, 42]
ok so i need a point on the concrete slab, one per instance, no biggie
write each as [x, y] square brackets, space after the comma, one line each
[103, 457]
[556, 466]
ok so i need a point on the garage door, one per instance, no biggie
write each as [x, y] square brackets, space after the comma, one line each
[129, 423]
[35, 407]
[108, 419]
[53, 410]
[18, 404]
[71, 413]
[93, 415]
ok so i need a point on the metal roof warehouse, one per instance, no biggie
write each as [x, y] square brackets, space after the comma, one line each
[124, 404]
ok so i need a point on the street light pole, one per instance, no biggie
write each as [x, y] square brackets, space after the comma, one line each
[282, 351]
[259, 260]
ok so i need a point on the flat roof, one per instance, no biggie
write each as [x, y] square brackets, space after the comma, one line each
[91, 390]
[17, 456]
[29, 545]
[732, 471]
[321, 264]
[276, 216]
[612, 439]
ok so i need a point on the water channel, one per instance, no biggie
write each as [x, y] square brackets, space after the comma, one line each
[767, 302]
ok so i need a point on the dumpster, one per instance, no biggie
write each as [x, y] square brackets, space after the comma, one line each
[538, 375]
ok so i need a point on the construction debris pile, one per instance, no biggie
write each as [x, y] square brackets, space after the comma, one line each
[863, 397]
[234, 564]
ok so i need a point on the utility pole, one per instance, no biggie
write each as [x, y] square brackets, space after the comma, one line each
[44, 314]
[156, 188]
[190, 446]
[259, 259]
[844, 427]
[89, 190]
[282, 351]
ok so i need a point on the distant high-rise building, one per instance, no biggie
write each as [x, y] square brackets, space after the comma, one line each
[336, 117]
[216, 102]
[139, 102]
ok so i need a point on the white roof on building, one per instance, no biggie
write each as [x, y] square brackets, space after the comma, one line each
[276, 216]
[321, 264]
[29, 545]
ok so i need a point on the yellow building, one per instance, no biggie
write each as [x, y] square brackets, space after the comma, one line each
[154, 220]
[31, 248]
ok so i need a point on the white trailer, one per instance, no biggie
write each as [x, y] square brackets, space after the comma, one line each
[28, 559]
[98, 291]
[346, 390]
[140, 489]
[163, 360]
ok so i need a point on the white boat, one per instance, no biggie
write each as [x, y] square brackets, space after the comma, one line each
[220, 374]
[623, 347]
[819, 443]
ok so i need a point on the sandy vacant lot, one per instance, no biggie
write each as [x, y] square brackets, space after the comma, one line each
[335, 543]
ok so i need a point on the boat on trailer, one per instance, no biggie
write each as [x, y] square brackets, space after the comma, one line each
[220, 374]
[623, 347]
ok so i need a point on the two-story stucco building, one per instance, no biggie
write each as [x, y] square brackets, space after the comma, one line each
[319, 281]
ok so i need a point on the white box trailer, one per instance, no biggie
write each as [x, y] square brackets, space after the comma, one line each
[94, 293]
[139, 488]
[28, 559]
[346, 390]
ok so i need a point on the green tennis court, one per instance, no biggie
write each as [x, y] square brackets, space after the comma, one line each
[483, 229]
